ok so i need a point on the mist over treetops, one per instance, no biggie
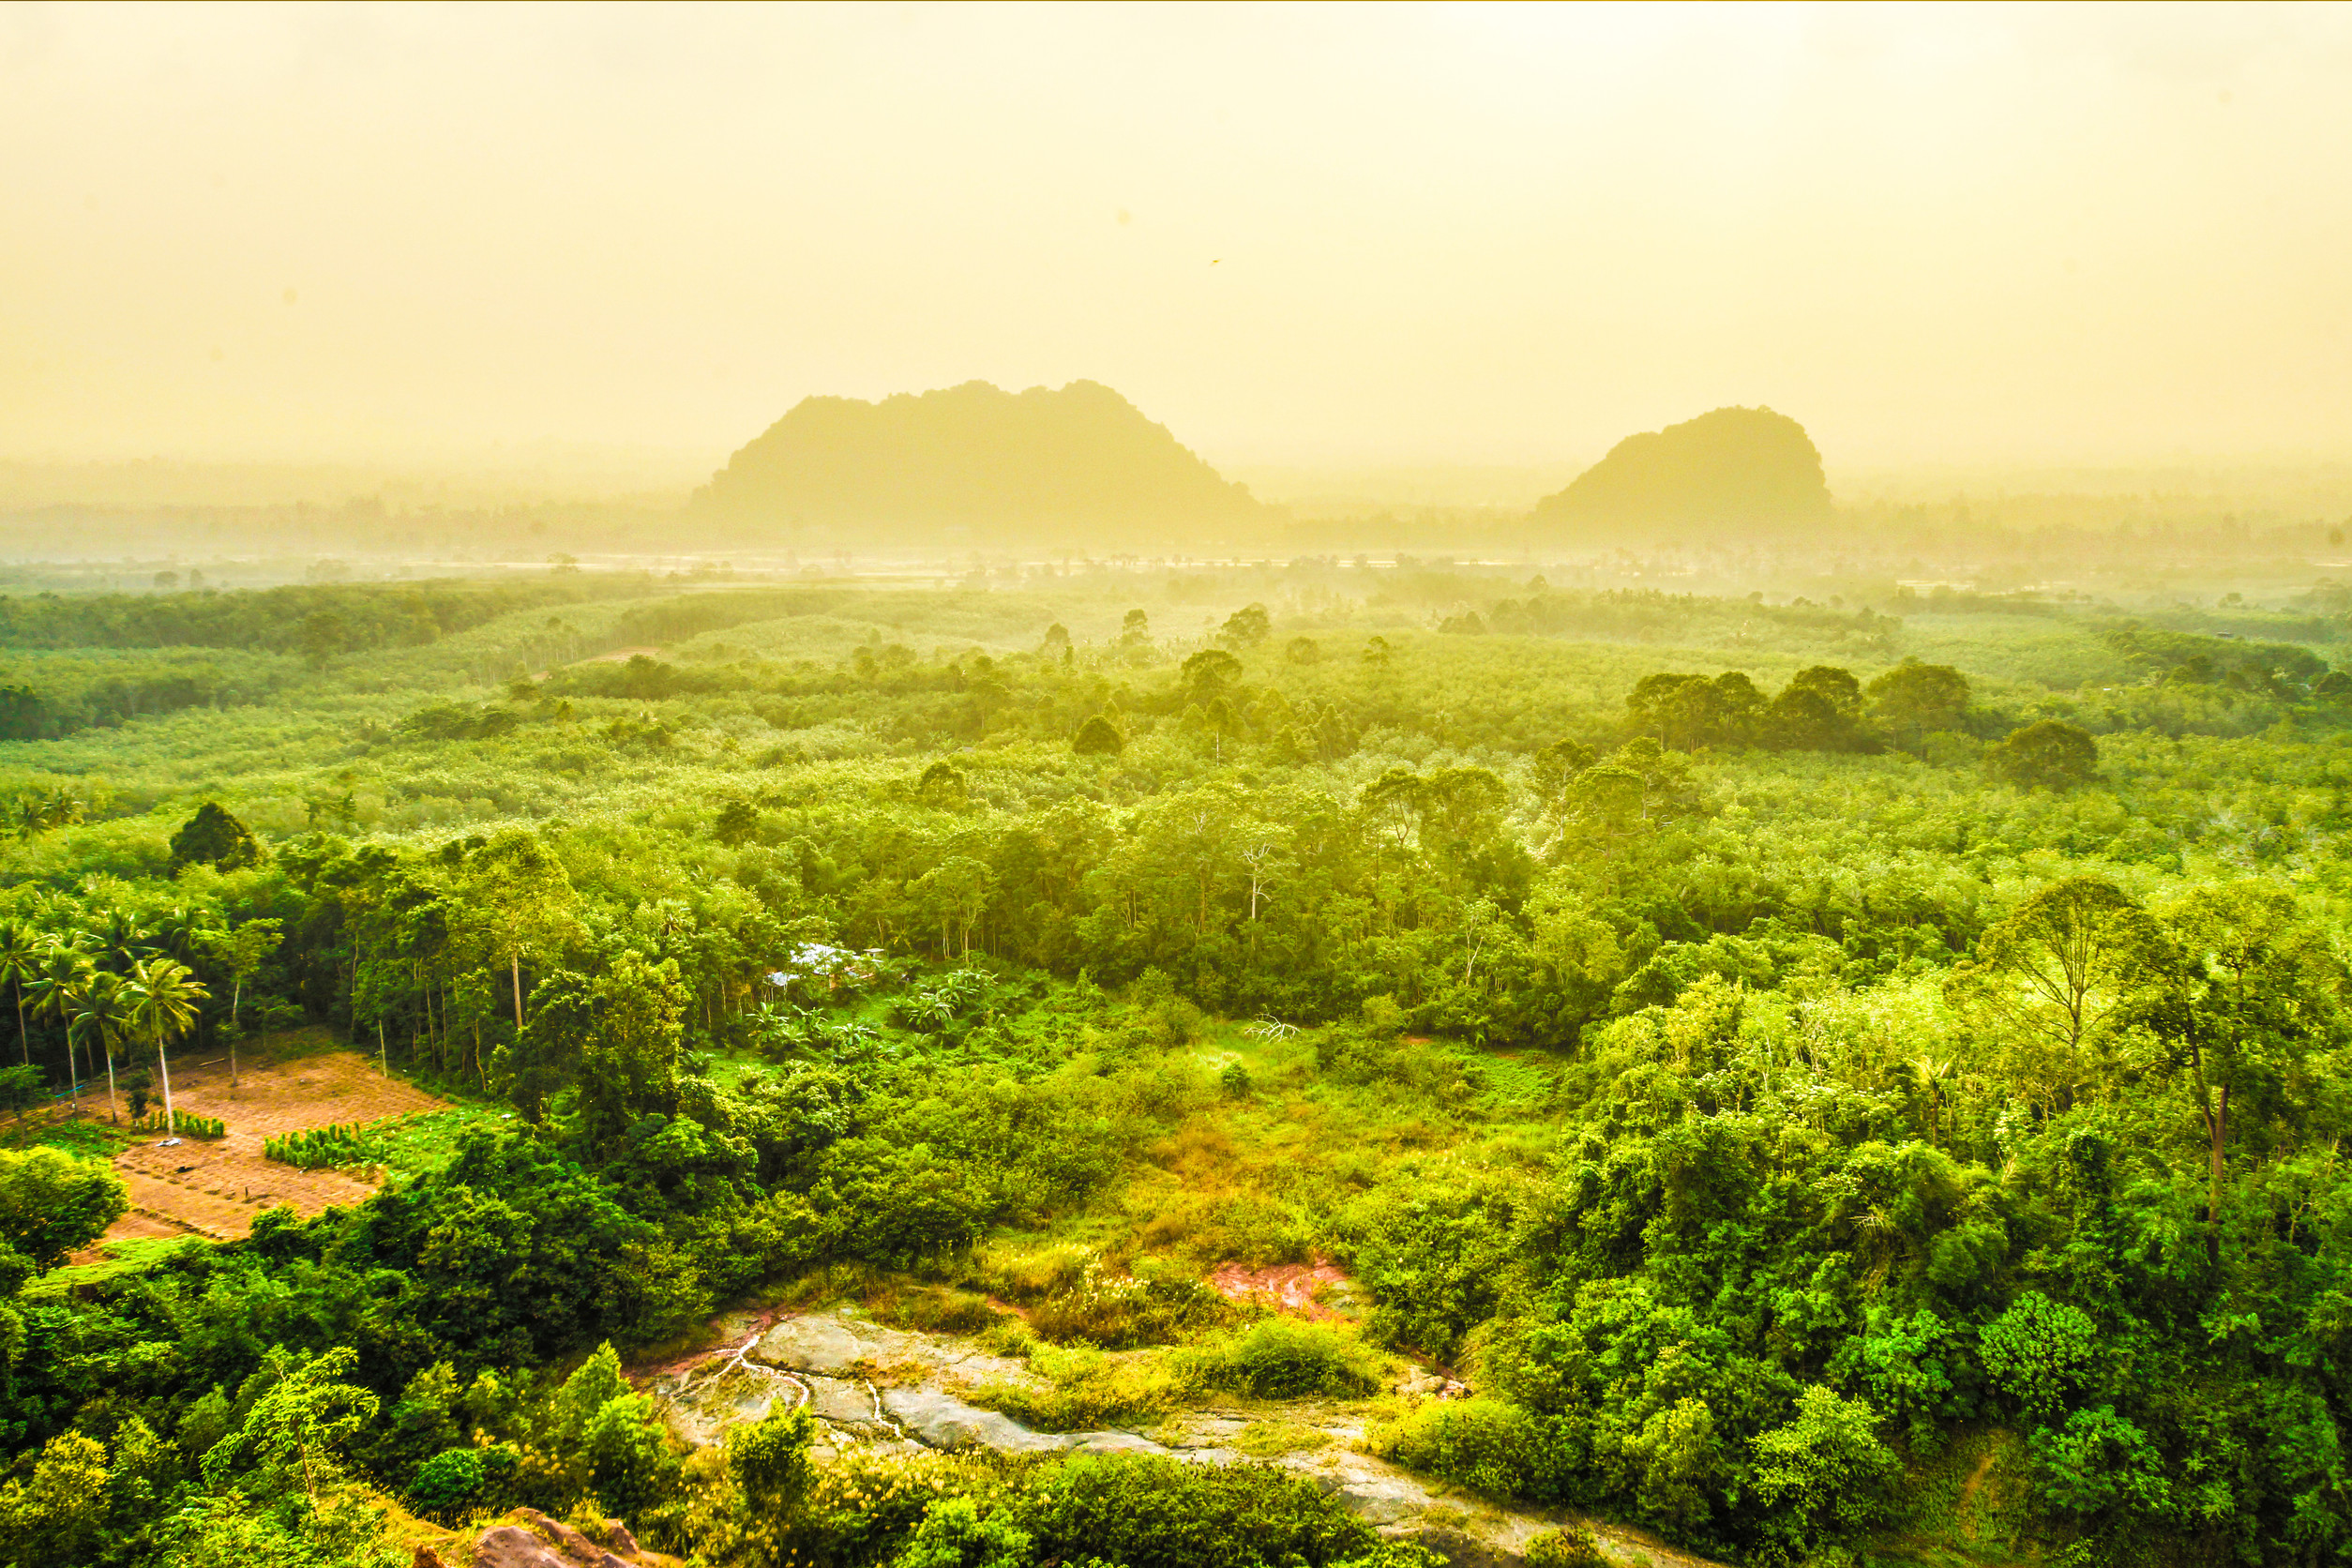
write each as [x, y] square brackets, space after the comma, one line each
[973, 457]
[1747, 467]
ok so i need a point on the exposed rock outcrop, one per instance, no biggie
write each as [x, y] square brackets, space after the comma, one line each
[541, 1542]
[870, 1386]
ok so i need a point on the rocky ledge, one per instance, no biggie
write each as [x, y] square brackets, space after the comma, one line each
[873, 1386]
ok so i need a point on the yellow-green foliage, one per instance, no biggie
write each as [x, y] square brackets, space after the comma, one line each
[933, 1308]
[1276, 1358]
[1973, 1500]
[1569, 1547]
[186, 1125]
[1074, 1296]
[1484, 1444]
[1085, 1390]
[344, 1143]
[1271, 1440]
[1282, 1358]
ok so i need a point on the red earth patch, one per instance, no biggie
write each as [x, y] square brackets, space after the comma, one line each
[1287, 1287]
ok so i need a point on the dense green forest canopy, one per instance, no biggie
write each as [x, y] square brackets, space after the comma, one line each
[1787, 1058]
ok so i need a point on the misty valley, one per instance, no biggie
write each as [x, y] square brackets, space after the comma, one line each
[1743, 1031]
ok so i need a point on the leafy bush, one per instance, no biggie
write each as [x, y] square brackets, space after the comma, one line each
[447, 1484]
[1087, 1390]
[955, 1534]
[1282, 1358]
[934, 1309]
[2098, 1462]
[189, 1124]
[2038, 1350]
[1487, 1445]
[935, 1008]
[1825, 1472]
[1143, 1511]
[1569, 1547]
[342, 1145]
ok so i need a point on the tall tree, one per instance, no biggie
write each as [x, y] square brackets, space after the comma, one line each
[1913, 699]
[2256, 994]
[161, 997]
[2052, 755]
[241, 952]
[213, 837]
[523, 902]
[630, 1061]
[121, 939]
[20, 961]
[64, 975]
[2051, 975]
[96, 1012]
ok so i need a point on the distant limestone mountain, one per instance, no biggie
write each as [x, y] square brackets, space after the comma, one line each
[973, 460]
[1744, 469]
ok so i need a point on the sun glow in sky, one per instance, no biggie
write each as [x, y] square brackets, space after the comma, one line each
[1330, 235]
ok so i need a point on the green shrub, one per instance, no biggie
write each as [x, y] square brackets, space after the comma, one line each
[1282, 1358]
[1143, 1511]
[189, 1124]
[447, 1483]
[1569, 1547]
[955, 1534]
[934, 1309]
[1086, 1391]
[344, 1143]
[1824, 1473]
[1487, 1445]
[2038, 1350]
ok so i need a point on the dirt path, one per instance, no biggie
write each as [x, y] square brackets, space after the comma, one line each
[215, 1186]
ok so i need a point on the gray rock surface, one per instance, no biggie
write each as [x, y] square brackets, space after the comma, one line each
[513, 1547]
[832, 1345]
[940, 1420]
[877, 1387]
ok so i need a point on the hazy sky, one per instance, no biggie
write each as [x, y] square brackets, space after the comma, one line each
[1390, 234]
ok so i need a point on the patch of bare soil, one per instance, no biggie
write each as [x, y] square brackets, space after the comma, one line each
[215, 1186]
[1287, 1287]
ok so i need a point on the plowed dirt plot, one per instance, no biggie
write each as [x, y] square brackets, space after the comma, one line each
[215, 1186]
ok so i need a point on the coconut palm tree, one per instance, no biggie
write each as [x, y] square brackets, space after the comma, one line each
[186, 933]
[64, 973]
[122, 942]
[161, 995]
[95, 1011]
[20, 955]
